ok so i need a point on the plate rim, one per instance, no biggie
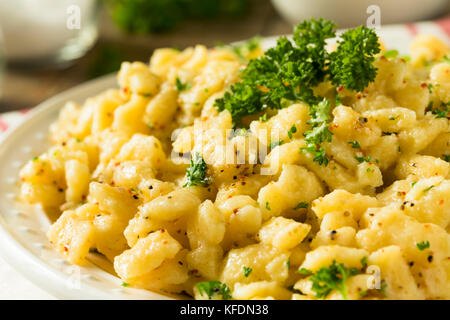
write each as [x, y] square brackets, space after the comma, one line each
[19, 257]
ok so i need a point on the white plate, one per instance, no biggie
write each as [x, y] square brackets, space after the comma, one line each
[23, 243]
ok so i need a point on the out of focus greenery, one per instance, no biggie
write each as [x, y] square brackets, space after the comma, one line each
[106, 60]
[152, 16]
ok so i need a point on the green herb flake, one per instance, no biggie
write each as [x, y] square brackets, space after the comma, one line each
[276, 144]
[320, 133]
[267, 206]
[330, 278]
[364, 261]
[247, 271]
[214, 287]
[125, 284]
[181, 86]
[406, 58]
[292, 130]
[305, 272]
[303, 205]
[446, 59]
[423, 245]
[391, 54]
[362, 159]
[196, 173]
[355, 144]
[263, 118]
[383, 288]
[363, 293]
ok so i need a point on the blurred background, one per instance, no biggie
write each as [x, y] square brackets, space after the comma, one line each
[47, 46]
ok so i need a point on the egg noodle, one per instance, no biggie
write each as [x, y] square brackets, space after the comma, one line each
[343, 193]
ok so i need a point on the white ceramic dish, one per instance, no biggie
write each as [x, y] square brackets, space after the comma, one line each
[23, 243]
[349, 13]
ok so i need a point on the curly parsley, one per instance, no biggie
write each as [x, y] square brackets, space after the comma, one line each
[423, 245]
[320, 119]
[289, 71]
[351, 65]
[303, 205]
[330, 278]
[214, 287]
[246, 271]
[196, 173]
[180, 85]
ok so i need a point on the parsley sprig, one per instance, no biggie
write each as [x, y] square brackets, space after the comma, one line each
[423, 245]
[196, 173]
[330, 278]
[351, 65]
[320, 119]
[289, 71]
[246, 271]
[180, 85]
[213, 287]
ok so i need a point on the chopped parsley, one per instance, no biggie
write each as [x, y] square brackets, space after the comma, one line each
[196, 173]
[289, 71]
[125, 284]
[303, 205]
[362, 159]
[305, 272]
[363, 293]
[247, 271]
[331, 278]
[180, 85]
[428, 188]
[35, 159]
[276, 144]
[442, 111]
[391, 54]
[446, 157]
[423, 245]
[210, 288]
[267, 206]
[355, 144]
[292, 130]
[446, 59]
[263, 118]
[288, 264]
[244, 49]
[383, 288]
[320, 119]
[364, 261]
